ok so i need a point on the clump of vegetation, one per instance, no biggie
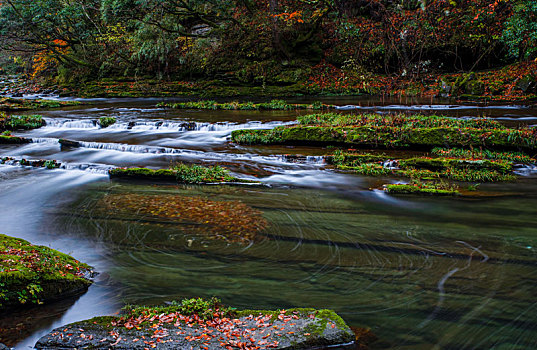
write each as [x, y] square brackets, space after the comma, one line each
[257, 137]
[205, 309]
[105, 122]
[32, 274]
[436, 189]
[231, 221]
[200, 174]
[351, 159]
[439, 163]
[369, 169]
[182, 173]
[235, 105]
[9, 122]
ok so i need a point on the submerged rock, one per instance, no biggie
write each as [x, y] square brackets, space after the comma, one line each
[174, 327]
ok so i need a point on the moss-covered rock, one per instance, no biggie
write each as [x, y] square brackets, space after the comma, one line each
[444, 163]
[32, 274]
[26, 122]
[198, 324]
[181, 173]
[430, 190]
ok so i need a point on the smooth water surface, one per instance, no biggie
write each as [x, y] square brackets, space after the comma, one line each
[422, 273]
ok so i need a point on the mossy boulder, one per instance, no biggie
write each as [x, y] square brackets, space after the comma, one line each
[31, 274]
[199, 324]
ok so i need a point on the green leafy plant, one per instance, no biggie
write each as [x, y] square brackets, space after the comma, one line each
[105, 122]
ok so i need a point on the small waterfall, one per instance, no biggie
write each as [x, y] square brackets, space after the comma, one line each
[158, 125]
[71, 123]
[390, 164]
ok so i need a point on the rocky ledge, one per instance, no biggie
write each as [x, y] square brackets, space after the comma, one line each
[200, 324]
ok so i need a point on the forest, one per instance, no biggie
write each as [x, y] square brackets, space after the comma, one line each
[312, 46]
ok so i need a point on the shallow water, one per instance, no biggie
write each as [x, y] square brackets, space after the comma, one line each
[423, 273]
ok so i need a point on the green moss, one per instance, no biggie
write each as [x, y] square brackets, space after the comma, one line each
[204, 309]
[8, 122]
[142, 173]
[391, 137]
[105, 122]
[398, 120]
[368, 169]
[501, 166]
[417, 189]
[33, 274]
[181, 173]
[272, 105]
[515, 157]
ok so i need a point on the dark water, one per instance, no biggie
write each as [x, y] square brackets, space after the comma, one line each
[423, 273]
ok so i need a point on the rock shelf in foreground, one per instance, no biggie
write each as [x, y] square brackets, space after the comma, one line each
[173, 328]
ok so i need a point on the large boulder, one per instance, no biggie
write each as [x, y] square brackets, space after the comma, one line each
[199, 324]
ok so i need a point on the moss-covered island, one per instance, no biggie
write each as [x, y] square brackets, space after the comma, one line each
[204, 324]
[181, 173]
[393, 131]
[31, 274]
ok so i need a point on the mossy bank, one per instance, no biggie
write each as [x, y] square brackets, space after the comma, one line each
[33, 275]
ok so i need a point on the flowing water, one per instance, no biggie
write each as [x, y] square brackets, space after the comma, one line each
[422, 273]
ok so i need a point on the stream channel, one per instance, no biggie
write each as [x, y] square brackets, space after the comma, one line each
[421, 272]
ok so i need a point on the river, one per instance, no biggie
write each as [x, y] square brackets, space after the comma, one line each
[422, 273]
